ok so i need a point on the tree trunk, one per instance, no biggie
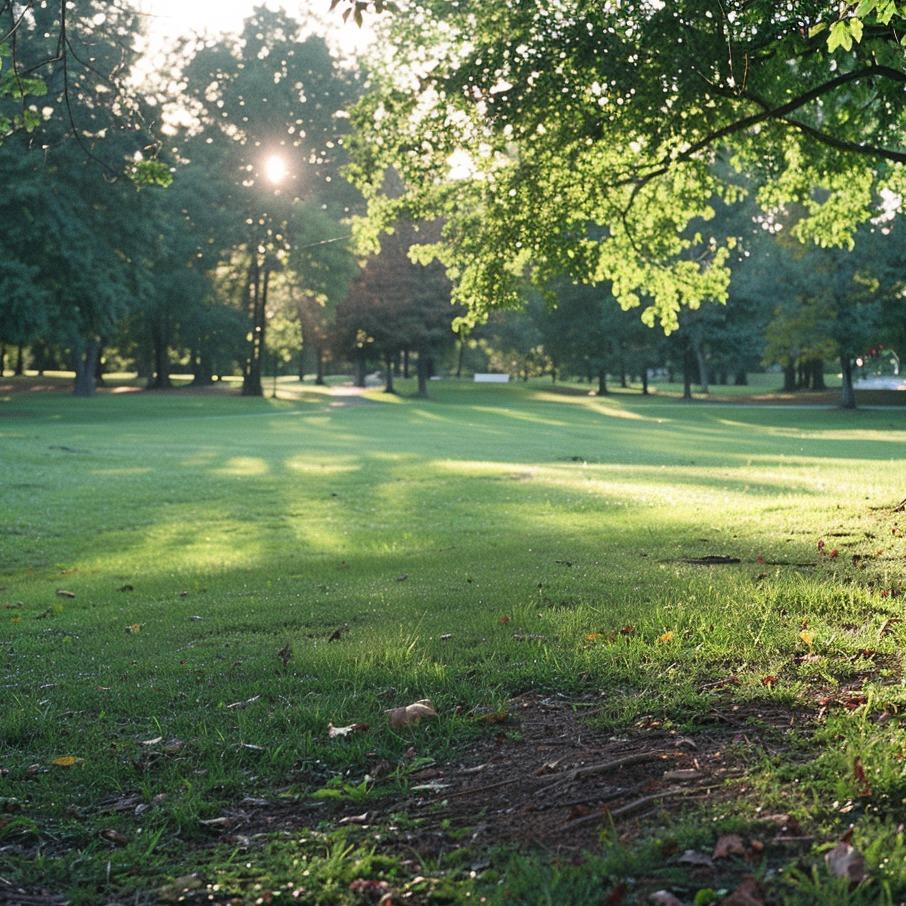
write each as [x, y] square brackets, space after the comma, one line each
[741, 379]
[359, 367]
[251, 383]
[388, 379]
[421, 368]
[789, 377]
[623, 381]
[301, 350]
[602, 382]
[818, 375]
[462, 349]
[702, 366]
[405, 363]
[848, 394]
[20, 361]
[645, 381]
[161, 378]
[319, 356]
[687, 372]
[86, 363]
[2, 359]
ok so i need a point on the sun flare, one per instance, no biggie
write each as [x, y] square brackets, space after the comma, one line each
[276, 169]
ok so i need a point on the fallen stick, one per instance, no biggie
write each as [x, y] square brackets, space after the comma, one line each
[627, 809]
[600, 768]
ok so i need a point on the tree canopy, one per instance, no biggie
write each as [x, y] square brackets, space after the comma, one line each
[582, 139]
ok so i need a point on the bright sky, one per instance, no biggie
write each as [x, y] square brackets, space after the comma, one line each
[170, 18]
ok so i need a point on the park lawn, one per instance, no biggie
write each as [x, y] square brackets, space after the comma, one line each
[490, 543]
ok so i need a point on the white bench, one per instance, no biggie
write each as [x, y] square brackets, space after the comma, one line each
[486, 378]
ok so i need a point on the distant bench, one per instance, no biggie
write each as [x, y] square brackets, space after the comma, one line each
[481, 378]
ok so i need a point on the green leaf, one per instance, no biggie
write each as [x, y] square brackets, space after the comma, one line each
[864, 8]
[855, 29]
[817, 29]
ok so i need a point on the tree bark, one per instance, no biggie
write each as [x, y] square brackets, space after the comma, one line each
[623, 382]
[848, 394]
[421, 368]
[20, 361]
[388, 377]
[645, 381]
[2, 359]
[602, 382]
[462, 349]
[741, 379]
[405, 363]
[86, 363]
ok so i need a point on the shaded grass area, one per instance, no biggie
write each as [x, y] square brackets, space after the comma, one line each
[478, 546]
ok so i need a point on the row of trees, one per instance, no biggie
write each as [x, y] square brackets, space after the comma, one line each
[526, 165]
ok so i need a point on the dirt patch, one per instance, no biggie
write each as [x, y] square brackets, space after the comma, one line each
[544, 778]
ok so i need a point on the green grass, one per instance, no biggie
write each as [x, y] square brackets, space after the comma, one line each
[241, 525]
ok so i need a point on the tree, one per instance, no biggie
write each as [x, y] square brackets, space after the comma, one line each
[397, 305]
[270, 101]
[528, 129]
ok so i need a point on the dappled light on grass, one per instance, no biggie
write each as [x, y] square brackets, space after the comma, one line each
[243, 582]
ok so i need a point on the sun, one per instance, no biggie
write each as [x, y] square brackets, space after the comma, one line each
[276, 169]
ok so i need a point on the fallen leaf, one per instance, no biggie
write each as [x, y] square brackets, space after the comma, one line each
[65, 761]
[354, 819]
[153, 742]
[834, 554]
[769, 680]
[807, 637]
[446, 637]
[664, 898]
[729, 845]
[411, 714]
[627, 630]
[820, 544]
[593, 637]
[285, 654]
[134, 628]
[114, 836]
[692, 857]
[666, 637]
[62, 593]
[845, 861]
[402, 578]
[747, 894]
[504, 620]
[339, 732]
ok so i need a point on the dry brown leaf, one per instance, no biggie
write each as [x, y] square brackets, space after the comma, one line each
[62, 593]
[114, 836]
[747, 894]
[666, 637]
[411, 714]
[339, 732]
[504, 620]
[769, 680]
[729, 845]
[845, 861]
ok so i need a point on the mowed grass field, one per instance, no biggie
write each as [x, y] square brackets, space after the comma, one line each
[173, 567]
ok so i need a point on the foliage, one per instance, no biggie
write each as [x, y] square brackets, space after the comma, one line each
[528, 129]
